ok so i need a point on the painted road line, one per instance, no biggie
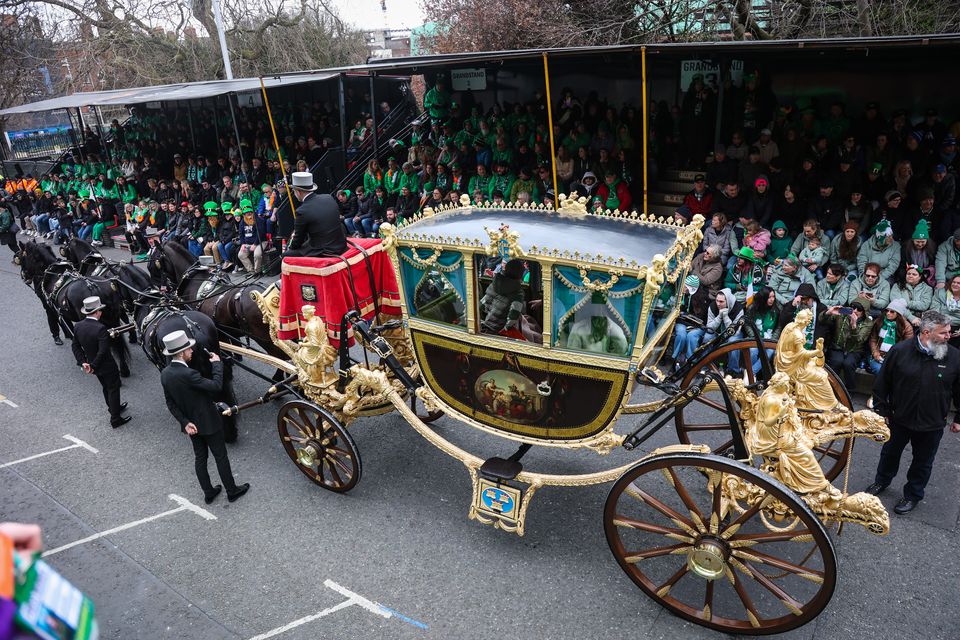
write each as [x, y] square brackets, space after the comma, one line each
[4, 400]
[185, 505]
[352, 599]
[77, 444]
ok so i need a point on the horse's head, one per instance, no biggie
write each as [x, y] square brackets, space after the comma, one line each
[76, 250]
[34, 259]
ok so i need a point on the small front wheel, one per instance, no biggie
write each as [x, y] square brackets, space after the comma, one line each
[319, 445]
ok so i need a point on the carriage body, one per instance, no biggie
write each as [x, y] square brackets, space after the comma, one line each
[590, 282]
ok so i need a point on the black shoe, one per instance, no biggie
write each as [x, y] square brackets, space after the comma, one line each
[210, 497]
[236, 495]
[905, 505]
[122, 421]
[125, 373]
[123, 407]
[57, 341]
[875, 489]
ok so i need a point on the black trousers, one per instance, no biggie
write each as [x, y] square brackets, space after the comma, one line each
[111, 393]
[846, 365]
[924, 445]
[213, 443]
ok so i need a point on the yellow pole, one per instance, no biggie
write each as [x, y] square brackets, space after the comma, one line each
[553, 152]
[276, 144]
[646, 129]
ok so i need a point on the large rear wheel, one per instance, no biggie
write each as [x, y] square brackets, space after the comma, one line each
[705, 421]
[757, 565]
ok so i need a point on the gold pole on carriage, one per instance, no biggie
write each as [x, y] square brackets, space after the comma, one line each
[276, 144]
[553, 152]
[646, 130]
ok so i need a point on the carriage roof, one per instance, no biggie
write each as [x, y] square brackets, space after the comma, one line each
[570, 234]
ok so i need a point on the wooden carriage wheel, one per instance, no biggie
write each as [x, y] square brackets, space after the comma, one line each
[429, 416]
[319, 446]
[704, 421]
[734, 568]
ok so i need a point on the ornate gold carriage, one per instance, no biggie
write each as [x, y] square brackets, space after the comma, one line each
[535, 326]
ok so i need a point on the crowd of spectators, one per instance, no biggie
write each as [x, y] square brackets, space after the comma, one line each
[855, 217]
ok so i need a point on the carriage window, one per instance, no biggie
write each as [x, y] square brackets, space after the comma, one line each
[510, 298]
[599, 316]
[435, 285]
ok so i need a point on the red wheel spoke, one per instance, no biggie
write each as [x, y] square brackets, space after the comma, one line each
[656, 552]
[707, 427]
[748, 606]
[645, 497]
[340, 452]
[830, 451]
[346, 470]
[749, 513]
[711, 403]
[747, 365]
[304, 431]
[708, 601]
[649, 527]
[816, 575]
[664, 589]
[769, 536]
[684, 494]
[788, 601]
[333, 472]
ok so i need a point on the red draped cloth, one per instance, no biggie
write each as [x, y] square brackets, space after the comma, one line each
[326, 284]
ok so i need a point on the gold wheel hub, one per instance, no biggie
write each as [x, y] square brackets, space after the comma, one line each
[307, 455]
[708, 558]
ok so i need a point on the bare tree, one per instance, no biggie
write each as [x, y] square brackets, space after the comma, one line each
[489, 25]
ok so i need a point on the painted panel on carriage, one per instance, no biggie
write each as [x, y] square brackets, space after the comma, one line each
[598, 315]
[497, 500]
[509, 395]
[553, 400]
[435, 285]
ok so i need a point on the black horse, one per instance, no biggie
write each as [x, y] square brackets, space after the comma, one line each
[84, 258]
[62, 291]
[155, 316]
[212, 292]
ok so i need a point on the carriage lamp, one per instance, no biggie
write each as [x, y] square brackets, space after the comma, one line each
[707, 559]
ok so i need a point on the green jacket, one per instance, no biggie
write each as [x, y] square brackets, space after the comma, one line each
[948, 261]
[785, 286]
[391, 181]
[850, 265]
[482, 183]
[6, 220]
[888, 257]
[880, 291]
[918, 298]
[833, 294]
[943, 304]
[437, 103]
[371, 182]
[848, 339]
[518, 186]
[129, 194]
[411, 180]
[502, 184]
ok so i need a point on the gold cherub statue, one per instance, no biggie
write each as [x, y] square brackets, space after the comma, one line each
[804, 366]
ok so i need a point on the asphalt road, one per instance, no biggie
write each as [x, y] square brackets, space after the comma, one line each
[289, 550]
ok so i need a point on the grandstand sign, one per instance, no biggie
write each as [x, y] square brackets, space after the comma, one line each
[249, 99]
[468, 79]
[710, 72]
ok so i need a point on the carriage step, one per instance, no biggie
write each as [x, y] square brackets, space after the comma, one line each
[500, 469]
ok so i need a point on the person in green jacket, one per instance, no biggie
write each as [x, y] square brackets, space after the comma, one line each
[850, 335]
[409, 179]
[780, 241]
[881, 249]
[481, 182]
[746, 275]
[834, 288]
[947, 302]
[523, 183]
[372, 177]
[948, 260]
[437, 101]
[502, 180]
[916, 293]
[391, 179]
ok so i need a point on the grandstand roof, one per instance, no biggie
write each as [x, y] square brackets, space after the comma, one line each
[167, 93]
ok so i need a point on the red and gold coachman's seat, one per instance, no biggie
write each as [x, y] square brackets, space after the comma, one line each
[335, 286]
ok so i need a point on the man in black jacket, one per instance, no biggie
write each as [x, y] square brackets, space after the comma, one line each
[189, 398]
[317, 230]
[913, 391]
[91, 348]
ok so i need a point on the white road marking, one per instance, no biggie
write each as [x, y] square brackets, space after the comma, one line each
[185, 505]
[352, 599]
[4, 400]
[77, 444]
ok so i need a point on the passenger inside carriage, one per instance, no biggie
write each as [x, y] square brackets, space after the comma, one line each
[504, 307]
